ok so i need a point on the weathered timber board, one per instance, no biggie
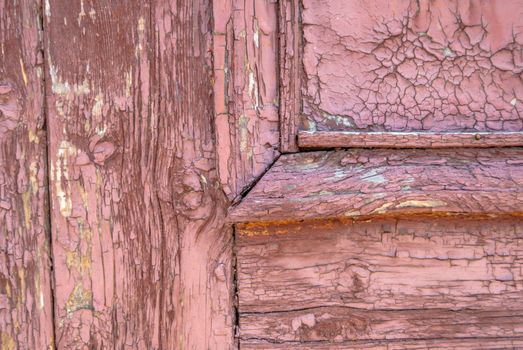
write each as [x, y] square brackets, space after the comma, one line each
[290, 69]
[362, 183]
[142, 257]
[433, 344]
[344, 280]
[245, 53]
[346, 139]
[26, 319]
[443, 65]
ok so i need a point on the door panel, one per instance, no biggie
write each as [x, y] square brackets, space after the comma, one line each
[410, 278]
[382, 245]
[412, 65]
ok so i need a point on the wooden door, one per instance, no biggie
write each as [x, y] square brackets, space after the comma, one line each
[309, 174]
[410, 237]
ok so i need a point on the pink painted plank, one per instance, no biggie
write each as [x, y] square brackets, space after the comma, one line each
[363, 183]
[245, 52]
[347, 139]
[26, 316]
[433, 344]
[143, 259]
[380, 280]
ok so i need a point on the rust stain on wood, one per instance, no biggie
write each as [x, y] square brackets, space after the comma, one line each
[369, 183]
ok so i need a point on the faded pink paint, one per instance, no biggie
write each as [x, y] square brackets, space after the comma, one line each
[370, 183]
[413, 65]
[245, 90]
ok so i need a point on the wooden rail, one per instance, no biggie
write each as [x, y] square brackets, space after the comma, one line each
[346, 139]
[362, 183]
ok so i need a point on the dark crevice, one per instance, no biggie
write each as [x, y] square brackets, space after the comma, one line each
[47, 159]
[253, 183]
[313, 308]
[236, 298]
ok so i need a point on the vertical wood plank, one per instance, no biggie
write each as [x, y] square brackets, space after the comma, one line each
[197, 246]
[246, 90]
[142, 256]
[291, 46]
[25, 288]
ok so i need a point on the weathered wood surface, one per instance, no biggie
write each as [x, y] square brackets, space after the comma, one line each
[245, 90]
[338, 323]
[418, 65]
[26, 320]
[362, 183]
[433, 344]
[291, 72]
[412, 279]
[142, 257]
[347, 139]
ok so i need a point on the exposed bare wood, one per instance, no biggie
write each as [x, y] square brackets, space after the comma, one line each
[26, 320]
[291, 47]
[346, 139]
[364, 183]
[245, 90]
[142, 256]
[343, 280]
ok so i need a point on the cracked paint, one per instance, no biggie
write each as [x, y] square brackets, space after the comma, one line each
[412, 65]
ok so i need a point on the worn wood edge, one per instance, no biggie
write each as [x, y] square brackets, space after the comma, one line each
[310, 325]
[439, 343]
[26, 282]
[290, 65]
[433, 203]
[341, 139]
[246, 91]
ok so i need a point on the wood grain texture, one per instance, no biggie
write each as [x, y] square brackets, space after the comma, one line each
[341, 280]
[291, 53]
[142, 257]
[433, 344]
[337, 323]
[246, 92]
[364, 183]
[347, 139]
[26, 320]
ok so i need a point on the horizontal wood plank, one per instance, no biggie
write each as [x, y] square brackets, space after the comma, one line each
[433, 344]
[366, 183]
[345, 324]
[343, 280]
[390, 264]
[345, 139]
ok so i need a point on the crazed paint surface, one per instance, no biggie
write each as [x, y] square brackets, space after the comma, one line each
[418, 65]
[142, 256]
[365, 183]
[25, 273]
[377, 284]
[246, 90]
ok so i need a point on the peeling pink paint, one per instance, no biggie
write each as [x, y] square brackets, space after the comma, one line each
[413, 65]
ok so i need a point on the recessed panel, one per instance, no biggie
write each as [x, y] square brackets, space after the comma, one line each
[417, 65]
